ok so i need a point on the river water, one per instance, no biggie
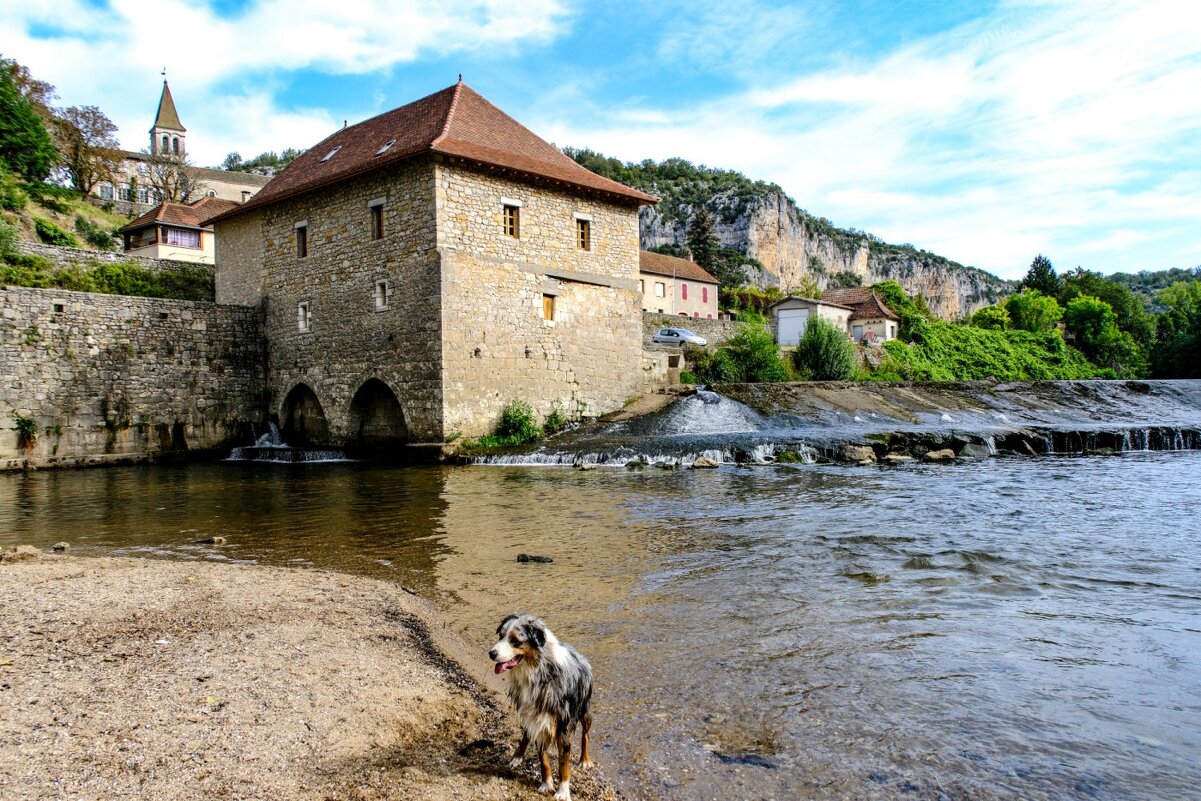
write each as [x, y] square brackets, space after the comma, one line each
[1005, 629]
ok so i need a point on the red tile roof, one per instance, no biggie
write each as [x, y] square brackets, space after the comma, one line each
[662, 264]
[864, 302]
[182, 215]
[456, 122]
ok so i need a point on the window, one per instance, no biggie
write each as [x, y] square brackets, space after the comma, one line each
[175, 145]
[386, 147]
[583, 234]
[59, 308]
[166, 142]
[211, 193]
[143, 194]
[376, 207]
[642, 286]
[106, 192]
[704, 294]
[660, 289]
[302, 240]
[683, 291]
[512, 221]
[304, 316]
[548, 307]
[383, 294]
[186, 239]
[330, 154]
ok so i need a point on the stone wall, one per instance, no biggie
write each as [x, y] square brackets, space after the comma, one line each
[109, 378]
[78, 257]
[716, 331]
[498, 345]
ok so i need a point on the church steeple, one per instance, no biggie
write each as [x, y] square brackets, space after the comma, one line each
[168, 134]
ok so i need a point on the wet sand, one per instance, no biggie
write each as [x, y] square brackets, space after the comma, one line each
[198, 680]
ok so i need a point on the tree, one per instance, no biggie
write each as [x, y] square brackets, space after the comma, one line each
[1041, 276]
[1131, 314]
[39, 93]
[993, 317]
[25, 144]
[90, 150]
[702, 240]
[1177, 352]
[824, 353]
[232, 162]
[1033, 311]
[172, 177]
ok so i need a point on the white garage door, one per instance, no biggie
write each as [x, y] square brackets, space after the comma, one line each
[792, 324]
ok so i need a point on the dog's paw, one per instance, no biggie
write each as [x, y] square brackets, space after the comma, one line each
[515, 763]
[546, 787]
[564, 793]
[585, 764]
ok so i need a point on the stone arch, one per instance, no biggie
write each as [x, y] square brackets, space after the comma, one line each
[376, 419]
[304, 419]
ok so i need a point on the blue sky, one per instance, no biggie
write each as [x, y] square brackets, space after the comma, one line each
[987, 132]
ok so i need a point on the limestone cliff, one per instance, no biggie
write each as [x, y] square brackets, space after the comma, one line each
[794, 246]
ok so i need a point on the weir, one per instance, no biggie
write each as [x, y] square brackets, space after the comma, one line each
[270, 447]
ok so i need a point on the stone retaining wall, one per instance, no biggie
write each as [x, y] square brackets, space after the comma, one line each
[109, 378]
[716, 331]
[70, 257]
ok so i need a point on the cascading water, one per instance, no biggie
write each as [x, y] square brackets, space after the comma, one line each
[270, 447]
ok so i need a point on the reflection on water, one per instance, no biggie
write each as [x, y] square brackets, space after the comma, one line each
[1009, 629]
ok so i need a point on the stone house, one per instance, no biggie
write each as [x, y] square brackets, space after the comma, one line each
[790, 317]
[870, 318]
[423, 268]
[131, 187]
[175, 231]
[671, 285]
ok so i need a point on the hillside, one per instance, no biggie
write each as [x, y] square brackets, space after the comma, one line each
[1147, 283]
[791, 246]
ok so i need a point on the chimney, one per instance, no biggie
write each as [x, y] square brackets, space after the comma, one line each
[245, 195]
[688, 254]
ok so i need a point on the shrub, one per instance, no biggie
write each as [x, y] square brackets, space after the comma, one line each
[93, 233]
[121, 278]
[687, 377]
[555, 422]
[824, 353]
[994, 317]
[27, 431]
[51, 234]
[8, 241]
[750, 356]
[12, 197]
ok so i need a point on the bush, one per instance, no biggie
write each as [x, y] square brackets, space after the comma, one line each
[51, 234]
[12, 197]
[94, 234]
[750, 356]
[8, 241]
[555, 422]
[27, 431]
[121, 278]
[824, 353]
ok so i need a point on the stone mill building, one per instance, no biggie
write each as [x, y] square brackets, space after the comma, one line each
[421, 269]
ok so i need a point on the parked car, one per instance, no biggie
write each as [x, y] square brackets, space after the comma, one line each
[678, 336]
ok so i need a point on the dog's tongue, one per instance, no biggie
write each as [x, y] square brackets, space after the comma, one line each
[501, 667]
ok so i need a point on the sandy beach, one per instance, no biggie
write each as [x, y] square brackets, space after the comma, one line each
[162, 679]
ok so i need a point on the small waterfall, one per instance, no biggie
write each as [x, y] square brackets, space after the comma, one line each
[270, 447]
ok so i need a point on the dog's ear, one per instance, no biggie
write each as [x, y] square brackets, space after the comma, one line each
[501, 628]
[535, 634]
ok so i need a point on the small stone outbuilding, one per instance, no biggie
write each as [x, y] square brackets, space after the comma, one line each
[871, 319]
[790, 317]
[422, 269]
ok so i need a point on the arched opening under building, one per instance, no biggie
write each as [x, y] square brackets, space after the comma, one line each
[304, 419]
[377, 423]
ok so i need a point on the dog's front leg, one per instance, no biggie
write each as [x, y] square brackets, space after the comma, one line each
[519, 754]
[548, 784]
[585, 757]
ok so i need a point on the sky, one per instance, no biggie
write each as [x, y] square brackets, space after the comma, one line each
[986, 132]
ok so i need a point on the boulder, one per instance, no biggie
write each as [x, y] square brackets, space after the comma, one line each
[898, 458]
[705, 463]
[19, 553]
[525, 557]
[944, 455]
[59, 547]
[856, 453]
[975, 450]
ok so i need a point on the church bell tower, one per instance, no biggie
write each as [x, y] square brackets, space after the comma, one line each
[168, 134]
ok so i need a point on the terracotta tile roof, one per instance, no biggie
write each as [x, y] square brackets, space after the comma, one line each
[182, 215]
[815, 301]
[662, 264]
[167, 117]
[456, 122]
[862, 300]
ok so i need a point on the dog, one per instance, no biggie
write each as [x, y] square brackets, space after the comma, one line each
[551, 689]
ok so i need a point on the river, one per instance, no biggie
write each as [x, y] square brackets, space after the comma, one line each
[1003, 629]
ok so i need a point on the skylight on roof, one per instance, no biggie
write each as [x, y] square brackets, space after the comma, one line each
[384, 149]
[331, 154]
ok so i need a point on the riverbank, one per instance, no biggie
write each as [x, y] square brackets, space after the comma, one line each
[201, 680]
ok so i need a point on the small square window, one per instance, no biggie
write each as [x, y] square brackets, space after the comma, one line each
[660, 289]
[302, 241]
[59, 308]
[512, 221]
[383, 295]
[548, 307]
[583, 234]
[304, 316]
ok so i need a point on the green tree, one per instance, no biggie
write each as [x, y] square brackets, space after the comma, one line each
[232, 162]
[90, 150]
[994, 317]
[1098, 337]
[1033, 311]
[25, 144]
[824, 353]
[1131, 313]
[1177, 352]
[1041, 276]
[702, 239]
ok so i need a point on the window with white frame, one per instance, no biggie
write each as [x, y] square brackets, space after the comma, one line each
[304, 316]
[183, 238]
[660, 289]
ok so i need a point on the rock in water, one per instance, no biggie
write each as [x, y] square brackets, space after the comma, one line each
[944, 455]
[856, 453]
[59, 547]
[525, 557]
[705, 463]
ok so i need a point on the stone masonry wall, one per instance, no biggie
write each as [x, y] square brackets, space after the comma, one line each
[716, 331]
[110, 378]
[497, 346]
[349, 340]
[68, 257]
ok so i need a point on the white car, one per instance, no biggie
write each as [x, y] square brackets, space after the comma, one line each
[678, 336]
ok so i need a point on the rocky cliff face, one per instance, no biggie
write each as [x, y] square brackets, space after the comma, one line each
[794, 246]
